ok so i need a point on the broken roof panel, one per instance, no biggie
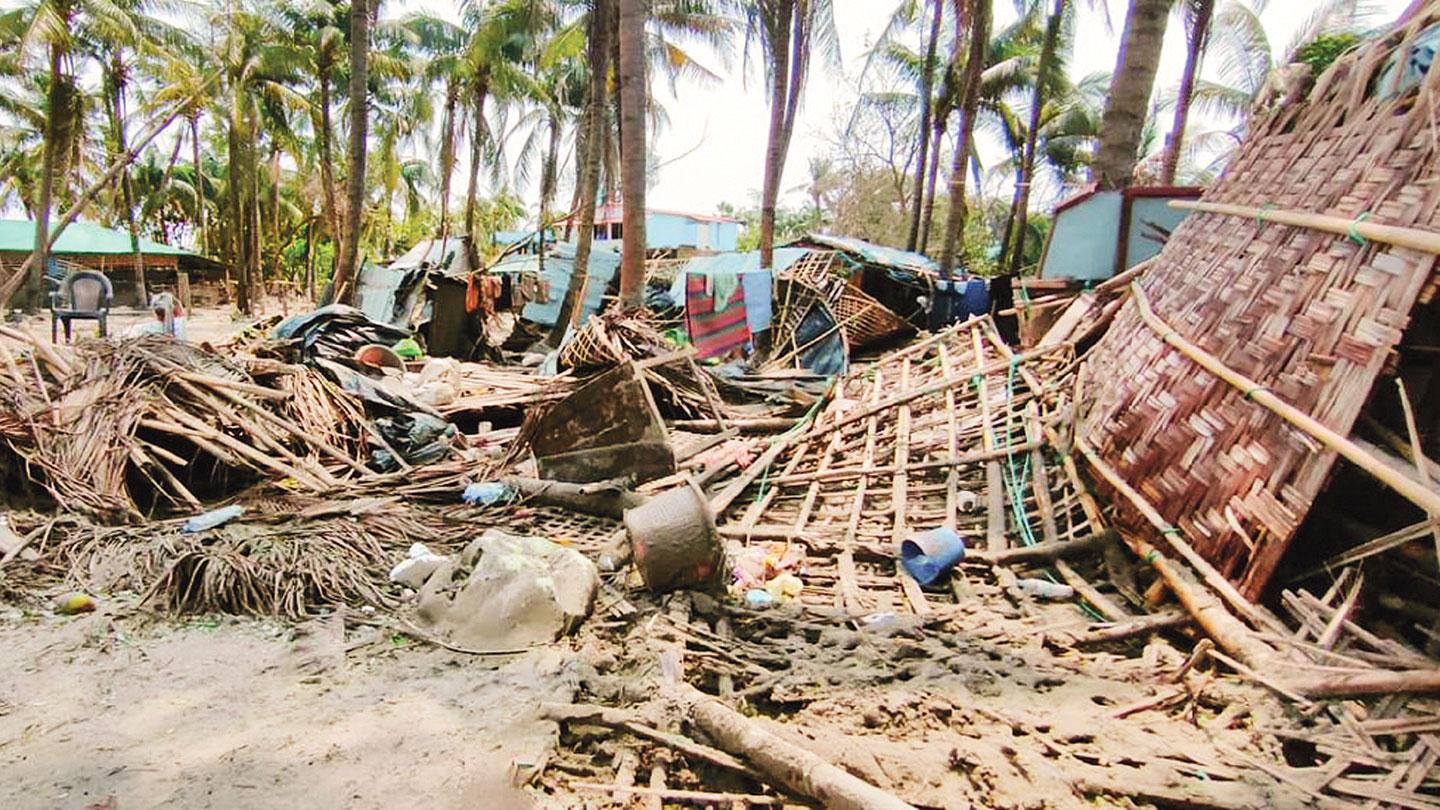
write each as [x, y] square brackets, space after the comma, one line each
[874, 254]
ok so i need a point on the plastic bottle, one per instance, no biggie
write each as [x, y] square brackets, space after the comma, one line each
[1044, 589]
[213, 518]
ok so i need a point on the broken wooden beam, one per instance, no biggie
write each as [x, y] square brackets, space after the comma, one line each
[789, 765]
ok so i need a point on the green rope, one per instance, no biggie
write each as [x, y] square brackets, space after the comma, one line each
[1260, 217]
[1355, 229]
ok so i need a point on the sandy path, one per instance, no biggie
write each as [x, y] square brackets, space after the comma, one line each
[218, 714]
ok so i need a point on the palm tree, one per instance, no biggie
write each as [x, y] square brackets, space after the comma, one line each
[1130, 87]
[633, 93]
[58, 27]
[978, 40]
[589, 153]
[1244, 60]
[787, 31]
[1050, 55]
[347, 264]
[1197, 15]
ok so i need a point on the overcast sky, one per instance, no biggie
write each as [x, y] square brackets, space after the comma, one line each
[713, 150]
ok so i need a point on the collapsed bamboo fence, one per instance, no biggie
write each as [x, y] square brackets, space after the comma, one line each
[1294, 280]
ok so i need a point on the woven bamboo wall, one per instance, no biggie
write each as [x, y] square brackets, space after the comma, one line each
[1312, 316]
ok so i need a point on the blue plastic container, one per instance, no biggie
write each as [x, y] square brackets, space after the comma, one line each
[931, 555]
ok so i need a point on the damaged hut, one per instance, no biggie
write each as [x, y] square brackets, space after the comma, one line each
[1290, 323]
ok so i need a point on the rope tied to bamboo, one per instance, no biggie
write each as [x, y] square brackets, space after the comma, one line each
[1260, 215]
[1354, 231]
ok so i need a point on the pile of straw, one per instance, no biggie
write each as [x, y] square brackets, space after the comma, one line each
[119, 429]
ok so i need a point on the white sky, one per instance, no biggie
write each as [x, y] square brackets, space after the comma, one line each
[725, 125]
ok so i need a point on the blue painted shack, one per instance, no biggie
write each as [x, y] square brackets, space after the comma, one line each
[1099, 234]
[674, 233]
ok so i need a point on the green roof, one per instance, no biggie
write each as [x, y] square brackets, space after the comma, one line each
[18, 236]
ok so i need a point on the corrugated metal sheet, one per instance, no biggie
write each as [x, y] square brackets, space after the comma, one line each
[449, 256]
[558, 265]
[18, 236]
[874, 254]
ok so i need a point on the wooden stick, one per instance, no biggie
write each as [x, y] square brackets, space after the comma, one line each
[1042, 552]
[841, 473]
[1172, 536]
[1413, 491]
[995, 538]
[1142, 625]
[688, 796]
[792, 767]
[1413, 238]
[1417, 451]
[631, 722]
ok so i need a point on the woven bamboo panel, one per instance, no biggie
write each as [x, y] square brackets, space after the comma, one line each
[1311, 316]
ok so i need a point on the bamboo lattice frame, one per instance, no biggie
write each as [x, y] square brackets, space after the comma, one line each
[895, 452]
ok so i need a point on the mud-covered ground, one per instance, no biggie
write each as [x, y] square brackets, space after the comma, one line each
[226, 712]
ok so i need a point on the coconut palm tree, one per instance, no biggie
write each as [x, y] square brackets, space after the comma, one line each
[633, 92]
[347, 262]
[55, 30]
[786, 32]
[978, 39]
[1130, 88]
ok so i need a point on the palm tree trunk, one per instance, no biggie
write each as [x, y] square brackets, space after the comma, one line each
[779, 36]
[632, 151]
[201, 215]
[30, 283]
[447, 155]
[1129, 98]
[235, 188]
[927, 90]
[127, 185]
[477, 141]
[1198, 33]
[327, 160]
[275, 247]
[587, 168]
[359, 123]
[936, 139]
[157, 201]
[974, 66]
[1020, 209]
[252, 212]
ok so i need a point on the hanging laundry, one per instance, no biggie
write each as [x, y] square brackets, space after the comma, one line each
[717, 326]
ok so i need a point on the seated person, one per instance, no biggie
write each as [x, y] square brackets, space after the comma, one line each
[169, 318]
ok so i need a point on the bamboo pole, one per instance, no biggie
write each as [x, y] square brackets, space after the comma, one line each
[1209, 612]
[1412, 490]
[1413, 238]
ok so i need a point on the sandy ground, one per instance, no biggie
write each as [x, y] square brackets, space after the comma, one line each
[205, 324]
[225, 712]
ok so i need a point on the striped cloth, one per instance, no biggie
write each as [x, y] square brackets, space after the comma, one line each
[715, 330]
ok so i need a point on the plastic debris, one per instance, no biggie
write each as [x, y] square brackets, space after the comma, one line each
[417, 566]
[408, 349]
[1044, 589]
[213, 518]
[487, 493]
[759, 598]
[773, 569]
[929, 556]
